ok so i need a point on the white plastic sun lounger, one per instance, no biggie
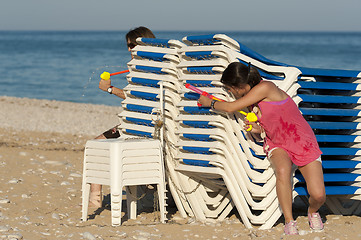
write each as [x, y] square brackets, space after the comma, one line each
[239, 160]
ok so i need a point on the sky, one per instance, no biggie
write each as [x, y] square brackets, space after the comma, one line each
[182, 15]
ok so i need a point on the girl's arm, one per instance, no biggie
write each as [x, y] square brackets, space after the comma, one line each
[260, 92]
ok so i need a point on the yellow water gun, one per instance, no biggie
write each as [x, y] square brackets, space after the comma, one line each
[251, 117]
[107, 75]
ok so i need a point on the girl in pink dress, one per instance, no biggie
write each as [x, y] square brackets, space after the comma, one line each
[288, 137]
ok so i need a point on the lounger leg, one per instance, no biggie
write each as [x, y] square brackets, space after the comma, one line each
[177, 199]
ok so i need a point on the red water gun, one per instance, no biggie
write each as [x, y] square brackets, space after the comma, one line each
[251, 117]
[201, 92]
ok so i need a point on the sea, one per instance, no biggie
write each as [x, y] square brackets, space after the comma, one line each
[66, 65]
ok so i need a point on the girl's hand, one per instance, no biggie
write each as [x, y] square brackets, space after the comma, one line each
[205, 101]
[104, 84]
[256, 128]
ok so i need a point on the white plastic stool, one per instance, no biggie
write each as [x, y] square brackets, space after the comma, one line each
[135, 162]
[119, 163]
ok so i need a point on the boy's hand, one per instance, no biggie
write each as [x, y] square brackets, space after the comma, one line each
[104, 84]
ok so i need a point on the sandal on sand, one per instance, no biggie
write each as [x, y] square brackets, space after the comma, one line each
[95, 200]
[291, 228]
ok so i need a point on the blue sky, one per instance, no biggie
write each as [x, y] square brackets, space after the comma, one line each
[226, 15]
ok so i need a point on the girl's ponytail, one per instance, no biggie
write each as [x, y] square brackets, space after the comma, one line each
[253, 77]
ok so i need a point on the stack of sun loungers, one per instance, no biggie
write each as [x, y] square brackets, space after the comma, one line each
[215, 144]
[329, 100]
[212, 164]
[150, 107]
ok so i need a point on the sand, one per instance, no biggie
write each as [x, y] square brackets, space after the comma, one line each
[41, 154]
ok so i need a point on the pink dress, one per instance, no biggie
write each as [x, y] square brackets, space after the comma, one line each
[286, 128]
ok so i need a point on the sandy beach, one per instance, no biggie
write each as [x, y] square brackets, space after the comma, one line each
[41, 157]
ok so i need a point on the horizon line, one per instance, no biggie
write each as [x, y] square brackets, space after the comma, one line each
[163, 30]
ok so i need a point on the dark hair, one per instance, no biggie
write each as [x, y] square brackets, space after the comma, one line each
[134, 33]
[237, 74]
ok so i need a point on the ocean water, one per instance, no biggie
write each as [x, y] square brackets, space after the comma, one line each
[65, 65]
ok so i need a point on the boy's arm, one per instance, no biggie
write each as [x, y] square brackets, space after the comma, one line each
[118, 92]
[106, 84]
